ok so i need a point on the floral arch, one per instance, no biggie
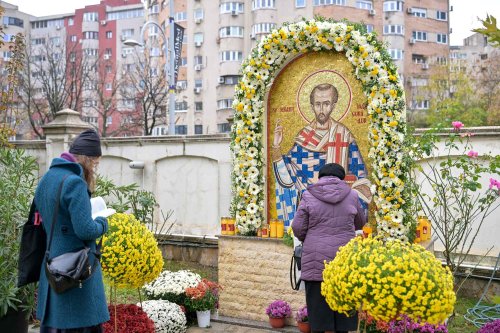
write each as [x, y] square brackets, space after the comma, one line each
[373, 67]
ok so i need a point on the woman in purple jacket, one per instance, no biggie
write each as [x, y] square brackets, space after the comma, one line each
[327, 217]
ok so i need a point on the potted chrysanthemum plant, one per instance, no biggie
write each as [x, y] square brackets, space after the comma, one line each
[278, 311]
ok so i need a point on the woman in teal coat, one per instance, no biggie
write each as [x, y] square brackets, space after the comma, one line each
[84, 309]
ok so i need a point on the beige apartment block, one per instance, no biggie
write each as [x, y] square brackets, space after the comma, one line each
[220, 34]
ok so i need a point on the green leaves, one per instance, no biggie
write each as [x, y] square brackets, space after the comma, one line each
[490, 30]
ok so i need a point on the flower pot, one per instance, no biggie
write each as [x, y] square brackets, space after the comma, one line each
[15, 321]
[203, 318]
[304, 326]
[277, 322]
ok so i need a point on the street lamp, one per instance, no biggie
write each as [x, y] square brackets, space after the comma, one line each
[170, 73]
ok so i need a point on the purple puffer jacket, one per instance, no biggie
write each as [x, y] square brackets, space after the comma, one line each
[327, 217]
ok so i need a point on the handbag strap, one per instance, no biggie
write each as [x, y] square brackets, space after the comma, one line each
[31, 216]
[54, 217]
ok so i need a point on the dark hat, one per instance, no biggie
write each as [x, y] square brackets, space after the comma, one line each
[332, 169]
[87, 143]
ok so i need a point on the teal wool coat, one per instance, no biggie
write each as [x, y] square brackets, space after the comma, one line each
[75, 228]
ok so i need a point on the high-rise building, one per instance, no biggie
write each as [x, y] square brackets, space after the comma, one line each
[219, 34]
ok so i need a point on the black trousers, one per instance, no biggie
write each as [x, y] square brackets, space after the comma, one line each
[91, 329]
[321, 317]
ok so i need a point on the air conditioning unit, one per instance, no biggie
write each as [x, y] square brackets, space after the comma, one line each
[124, 72]
[217, 40]
[123, 38]
[252, 35]
[372, 12]
[124, 55]
[451, 30]
[198, 43]
[234, 13]
[198, 20]
[425, 66]
[58, 27]
[103, 22]
[107, 57]
[198, 67]
[409, 10]
[180, 86]
[412, 40]
[197, 90]
[5, 25]
[221, 80]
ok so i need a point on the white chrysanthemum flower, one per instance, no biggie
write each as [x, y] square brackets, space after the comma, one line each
[168, 317]
[253, 172]
[252, 209]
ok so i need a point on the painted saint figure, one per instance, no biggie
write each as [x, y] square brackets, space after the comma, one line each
[323, 141]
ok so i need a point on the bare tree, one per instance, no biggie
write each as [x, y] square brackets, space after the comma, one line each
[55, 76]
[147, 85]
[487, 82]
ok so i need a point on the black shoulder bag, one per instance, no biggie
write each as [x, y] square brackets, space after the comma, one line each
[31, 252]
[70, 269]
[296, 264]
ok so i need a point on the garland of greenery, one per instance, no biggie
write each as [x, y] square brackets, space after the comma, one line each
[373, 66]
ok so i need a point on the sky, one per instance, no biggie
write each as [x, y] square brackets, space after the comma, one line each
[463, 18]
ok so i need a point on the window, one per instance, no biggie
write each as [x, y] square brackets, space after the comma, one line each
[442, 38]
[198, 83]
[233, 31]
[125, 14]
[90, 35]
[369, 27]
[419, 12]
[129, 102]
[259, 4]
[109, 86]
[182, 84]
[198, 14]
[184, 61]
[396, 29]
[160, 130]
[181, 129]
[73, 38]
[329, 2]
[419, 35]
[127, 50]
[154, 9]
[109, 34]
[89, 103]
[364, 5]
[231, 79]
[7, 37]
[181, 106]
[71, 21]
[226, 103]
[184, 39]
[90, 17]
[38, 41]
[420, 105]
[198, 106]
[180, 16]
[300, 3]
[396, 54]
[198, 60]
[90, 120]
[229, 7]
[198, 129]
[418, 82]
[198, 37]
[109, 120]
[91, 52]
[109, 69]
[393, 6]
[442, 16]
[441, 60]
[13, 21]
[153, 30]
[126, 33]
[263, 28]
[418, 58]
[231, 56]
[155, 52]
[56, 41]
[224, 128]
[108, 52]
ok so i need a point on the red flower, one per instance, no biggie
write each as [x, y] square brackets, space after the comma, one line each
[131, 318]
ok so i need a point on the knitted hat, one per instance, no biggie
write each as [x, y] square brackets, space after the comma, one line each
[332, 169]
[87, 143]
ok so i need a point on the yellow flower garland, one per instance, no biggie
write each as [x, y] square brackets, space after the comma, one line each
[130, 256]
[387, 280]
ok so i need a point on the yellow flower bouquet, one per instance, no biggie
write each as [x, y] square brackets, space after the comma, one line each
[130, 255]
[388, 280]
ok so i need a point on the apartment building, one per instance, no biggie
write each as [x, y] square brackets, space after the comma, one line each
[220, 34]
[86, 50]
